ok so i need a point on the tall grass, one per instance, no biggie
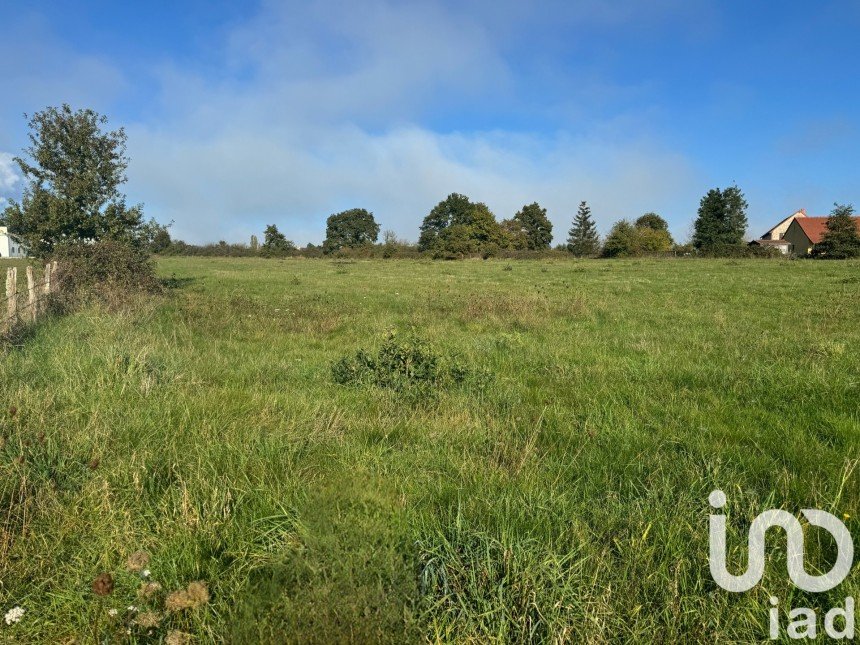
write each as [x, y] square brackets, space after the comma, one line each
[564, 502]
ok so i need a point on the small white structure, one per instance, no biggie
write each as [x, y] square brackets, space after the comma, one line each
[9, 246]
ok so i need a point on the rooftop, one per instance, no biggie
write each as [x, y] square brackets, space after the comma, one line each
[814, 227]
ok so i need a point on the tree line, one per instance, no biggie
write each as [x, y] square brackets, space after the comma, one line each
[458, 228]
[74, 171]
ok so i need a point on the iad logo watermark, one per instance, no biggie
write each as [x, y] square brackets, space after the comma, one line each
[804, 621]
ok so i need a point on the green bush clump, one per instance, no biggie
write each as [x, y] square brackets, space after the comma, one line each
[107, 270]
[404, 364]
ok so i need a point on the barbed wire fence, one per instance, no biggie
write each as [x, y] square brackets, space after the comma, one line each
[27, 306]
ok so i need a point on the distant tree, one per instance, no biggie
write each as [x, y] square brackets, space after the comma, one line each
[350, 229]
[722, 219]
[646, 237]
[484, 227]
[160, 241]
[652, 220]
[75, 170]
[390, 243]
[530, 228]
[650, 241]
[454, 209]
[736, 215]
[457, 227]
[455, 241]
[841, 239]
[583, 239]
[708, 229]
[255, 243]
[621, 241]
[155, 236]
[652, 233]
[275, 242]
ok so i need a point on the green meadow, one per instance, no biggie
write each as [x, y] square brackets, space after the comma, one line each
[557, 493]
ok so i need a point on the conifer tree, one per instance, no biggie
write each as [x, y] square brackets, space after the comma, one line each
[721, 221]
[583, 239]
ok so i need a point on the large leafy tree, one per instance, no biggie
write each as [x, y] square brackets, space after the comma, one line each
[349, 229]
[583, 239]
[722, 219]
[530, 228]
[454, 209]
[841, 240]
[457, 227]
[74, 170]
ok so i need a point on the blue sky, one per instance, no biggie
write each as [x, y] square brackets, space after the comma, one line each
[241, 114]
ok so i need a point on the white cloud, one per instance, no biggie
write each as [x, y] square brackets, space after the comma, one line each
[9, 178]
[320, 109]
[37, 69]
[233, 183]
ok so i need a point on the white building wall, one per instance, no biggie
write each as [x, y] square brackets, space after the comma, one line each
[9, 247]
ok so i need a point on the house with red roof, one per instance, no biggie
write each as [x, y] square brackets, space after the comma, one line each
[774, 238]
[804, 233]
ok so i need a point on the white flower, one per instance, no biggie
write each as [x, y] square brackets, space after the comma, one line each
[132, 608]
[14, 615]
[145, 573]
[112, 612]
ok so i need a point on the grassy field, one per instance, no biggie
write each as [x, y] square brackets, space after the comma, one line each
[558, 493]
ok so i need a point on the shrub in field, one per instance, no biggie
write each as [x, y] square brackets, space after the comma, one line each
[220, 249]
[107, 270]
[402, 364]
[739, 251]
[648, 236]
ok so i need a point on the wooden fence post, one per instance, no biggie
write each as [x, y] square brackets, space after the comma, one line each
[11, 296]
[55, 284]
[47, 286]
[32, 298]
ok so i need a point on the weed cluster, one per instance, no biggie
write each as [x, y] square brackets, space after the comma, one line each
[406, 364]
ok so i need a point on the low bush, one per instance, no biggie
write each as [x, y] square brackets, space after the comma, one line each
[739, 251]
[108, 270]
[221, 249]
[405, 364]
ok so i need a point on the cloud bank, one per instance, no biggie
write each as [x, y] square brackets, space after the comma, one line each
[300, 110]
[9, 178]
[332, 106]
